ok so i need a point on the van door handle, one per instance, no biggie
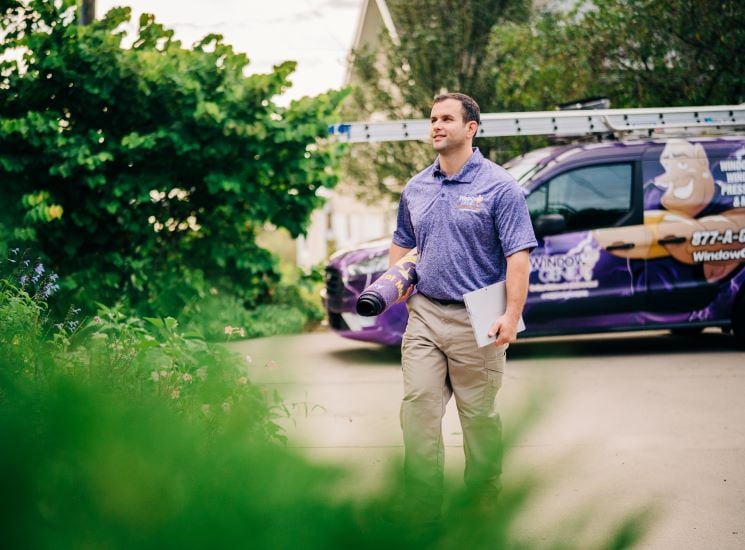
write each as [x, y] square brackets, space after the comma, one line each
[620, 246]
[672, 239]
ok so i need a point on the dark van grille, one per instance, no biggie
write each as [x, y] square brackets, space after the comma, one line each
[337, 322]
[334, 284]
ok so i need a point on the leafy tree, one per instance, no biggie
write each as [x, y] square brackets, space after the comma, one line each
[638, 53]
[539, 65]
[146, 172]
[443, 45]
[667, 52]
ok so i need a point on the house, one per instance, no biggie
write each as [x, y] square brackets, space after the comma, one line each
[345, 221]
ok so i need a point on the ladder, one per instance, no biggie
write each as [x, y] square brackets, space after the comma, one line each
[560, 123]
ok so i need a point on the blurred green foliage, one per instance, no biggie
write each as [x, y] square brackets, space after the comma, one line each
[637, 53]
[128, 433]
[145, 172]
[295, 307]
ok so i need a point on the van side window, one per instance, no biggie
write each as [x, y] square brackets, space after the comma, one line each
[592, 197]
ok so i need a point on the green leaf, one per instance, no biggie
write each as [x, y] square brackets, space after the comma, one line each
[171, 323]
[155, 321]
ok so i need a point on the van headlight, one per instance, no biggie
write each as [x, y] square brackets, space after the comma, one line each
[376, 264]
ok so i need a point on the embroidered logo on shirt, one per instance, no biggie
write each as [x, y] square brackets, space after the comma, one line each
[470, 202]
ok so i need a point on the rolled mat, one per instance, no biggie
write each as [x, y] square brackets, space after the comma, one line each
[390, 288]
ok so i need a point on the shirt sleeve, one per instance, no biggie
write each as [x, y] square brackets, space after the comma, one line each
[512, 220]
[404, 235]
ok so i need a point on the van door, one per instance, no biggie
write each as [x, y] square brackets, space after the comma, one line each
[588, 270]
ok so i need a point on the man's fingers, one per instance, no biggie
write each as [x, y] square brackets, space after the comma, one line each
[503, 339]
[504, 331]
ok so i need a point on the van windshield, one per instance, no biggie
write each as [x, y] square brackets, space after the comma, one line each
[524, 167]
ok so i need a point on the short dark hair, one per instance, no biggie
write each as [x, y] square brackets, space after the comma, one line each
[470, 108]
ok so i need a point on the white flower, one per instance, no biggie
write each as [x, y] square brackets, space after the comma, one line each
[186, 377]
[155, 376]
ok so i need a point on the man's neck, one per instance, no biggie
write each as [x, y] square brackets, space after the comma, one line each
[453, 161]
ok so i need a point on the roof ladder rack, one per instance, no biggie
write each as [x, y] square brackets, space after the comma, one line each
[560, 123]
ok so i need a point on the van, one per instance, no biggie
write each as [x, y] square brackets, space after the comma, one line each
[632, 235]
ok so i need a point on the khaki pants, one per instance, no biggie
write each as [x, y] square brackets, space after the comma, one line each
[440, 358]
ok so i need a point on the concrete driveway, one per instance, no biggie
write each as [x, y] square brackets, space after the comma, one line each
[627, 420]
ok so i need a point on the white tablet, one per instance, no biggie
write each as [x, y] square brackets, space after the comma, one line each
[484, 306]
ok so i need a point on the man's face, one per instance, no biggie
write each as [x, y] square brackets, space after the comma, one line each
[447, 129]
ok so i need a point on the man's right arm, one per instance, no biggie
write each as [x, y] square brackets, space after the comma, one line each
[396, 253]
[403, 234]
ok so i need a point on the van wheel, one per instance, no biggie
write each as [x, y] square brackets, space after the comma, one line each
[738, 322]
[687, 331]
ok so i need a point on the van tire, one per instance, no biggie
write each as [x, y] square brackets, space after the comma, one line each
[738, 321]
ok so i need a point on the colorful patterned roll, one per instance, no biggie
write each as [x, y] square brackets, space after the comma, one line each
[392, 287]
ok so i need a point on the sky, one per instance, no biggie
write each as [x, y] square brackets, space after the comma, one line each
[316, 33]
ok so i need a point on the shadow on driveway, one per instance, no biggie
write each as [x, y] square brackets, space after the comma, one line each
[596, 345]
[626, 344]
[369, 356]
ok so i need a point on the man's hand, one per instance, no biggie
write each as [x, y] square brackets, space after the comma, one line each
[518, 273]
[505, 329]
[406, 295]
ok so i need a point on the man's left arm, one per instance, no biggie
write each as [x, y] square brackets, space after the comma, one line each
[516, 281]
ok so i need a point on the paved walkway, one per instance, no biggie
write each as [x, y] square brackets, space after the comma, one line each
[627, 420]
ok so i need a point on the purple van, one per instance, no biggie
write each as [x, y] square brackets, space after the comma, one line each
[632, 235]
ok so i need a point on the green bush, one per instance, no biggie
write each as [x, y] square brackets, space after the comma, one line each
[224, 316]
[145, 173]
[294, 306]
[139, 359]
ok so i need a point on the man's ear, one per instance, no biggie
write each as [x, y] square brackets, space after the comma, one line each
[473, 127]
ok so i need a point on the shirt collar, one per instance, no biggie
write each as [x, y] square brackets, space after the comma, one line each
[468, 171]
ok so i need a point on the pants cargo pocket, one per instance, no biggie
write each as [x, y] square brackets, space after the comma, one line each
[494, 363]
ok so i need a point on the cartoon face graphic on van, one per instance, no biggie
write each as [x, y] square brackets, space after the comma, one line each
[687, 179]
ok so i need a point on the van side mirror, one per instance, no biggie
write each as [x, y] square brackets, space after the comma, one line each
[549, 224]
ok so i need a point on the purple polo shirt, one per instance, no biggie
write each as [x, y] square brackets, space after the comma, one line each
[463, 227]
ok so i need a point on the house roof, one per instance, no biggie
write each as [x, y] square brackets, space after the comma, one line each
[374, 16]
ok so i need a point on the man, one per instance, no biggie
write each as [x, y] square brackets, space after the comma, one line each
[468, 219]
